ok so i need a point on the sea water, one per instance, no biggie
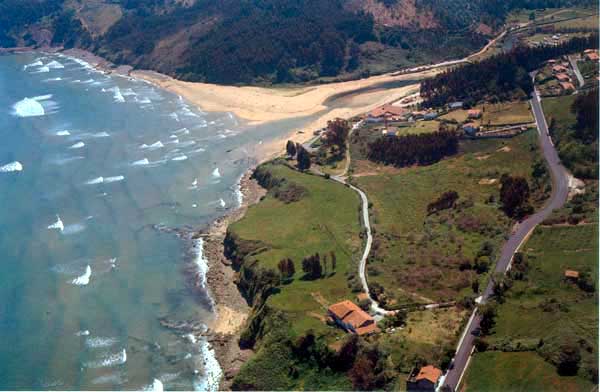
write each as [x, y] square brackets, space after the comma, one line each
[90, 166]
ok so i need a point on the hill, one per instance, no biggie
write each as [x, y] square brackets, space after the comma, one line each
[261, 41]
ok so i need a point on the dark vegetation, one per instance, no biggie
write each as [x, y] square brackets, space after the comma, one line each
[577, 141]
[263, 41]
[499, 78]
[446, 201]
[514, 195]
[420, 149]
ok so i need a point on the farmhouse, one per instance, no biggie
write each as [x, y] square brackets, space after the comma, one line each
[567, 87]
[389, 112]
[571, 275]
[563, 77]
[350, 317]
[593, 56]
[455, 105]
[474, 113]
[424, 379]
[558, 69]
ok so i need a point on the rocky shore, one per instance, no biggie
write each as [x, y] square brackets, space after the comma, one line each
[231, 308]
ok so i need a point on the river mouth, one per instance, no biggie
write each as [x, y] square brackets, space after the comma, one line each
[346, 98]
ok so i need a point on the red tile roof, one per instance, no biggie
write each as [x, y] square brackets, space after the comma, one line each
[350, 313]
[430, 373]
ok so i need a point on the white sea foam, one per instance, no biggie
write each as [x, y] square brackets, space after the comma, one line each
[58, 225]
[216, 173]
[11, 167]
[157, 386]
[109, 361]
[200, 260]
[174, 116]
[141, 162]
[77, 145]
[84, 332]
[222, 203]
[54, 65]
[63, 133]
[43, 69]
[212, 370]
[112, 378]
[153, 146]
[36, 63]
[28, 107]
[63, 161]
[108, 180]
[179, 158]
[182, 131]
[57, 79]
[239, 195]
[73, 229]
[187, 144]
[101, 134]
[94, 181]
[83, 279]
[117, 96]
[100, 342]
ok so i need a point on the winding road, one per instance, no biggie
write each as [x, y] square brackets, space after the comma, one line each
[560, 191]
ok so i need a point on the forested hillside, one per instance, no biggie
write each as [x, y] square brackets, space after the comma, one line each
[261, 41]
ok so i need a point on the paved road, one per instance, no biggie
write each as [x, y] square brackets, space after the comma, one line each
[560, 190]
[573, 61]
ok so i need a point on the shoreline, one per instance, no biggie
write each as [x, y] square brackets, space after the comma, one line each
[231, 309]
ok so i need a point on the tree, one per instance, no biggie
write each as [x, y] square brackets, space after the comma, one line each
[362, 374]
[514, 195]
[311, 266]
[303, 158]
[488, 316]
[568, 360]
[290, 147]
[286, 268]
[475, 286]
[337, 134]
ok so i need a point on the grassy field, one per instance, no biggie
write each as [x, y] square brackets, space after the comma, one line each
[559, 109]
[424, 252]
[545, 308]
[590, 22]
[495, 114]
[517, 372]
[325, 219]
[419, 127]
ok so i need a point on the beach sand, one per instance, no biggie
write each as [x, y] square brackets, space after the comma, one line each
[259, 105]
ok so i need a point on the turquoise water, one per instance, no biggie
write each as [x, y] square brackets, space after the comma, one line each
[84, 273]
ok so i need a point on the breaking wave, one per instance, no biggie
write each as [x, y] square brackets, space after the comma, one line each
[109, 361]
[83, 279]
[216, 173]
[99, 342]
[77, 145]
[11, 167]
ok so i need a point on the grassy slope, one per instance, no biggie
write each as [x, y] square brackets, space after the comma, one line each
[496, 114]
[550, 251]
[325, 219]
[517, 372]
[414, 248]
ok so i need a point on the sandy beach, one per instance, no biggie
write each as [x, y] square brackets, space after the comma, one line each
[259, 105]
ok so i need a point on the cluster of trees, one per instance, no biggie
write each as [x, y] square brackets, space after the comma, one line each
[336, 135]
[501, 77]
[577, 144]
[446, 201]
[286, 268]
[514, 195]
[296, 150]
[16, 14]
[421, 149]
[315, 266]
[269, 39]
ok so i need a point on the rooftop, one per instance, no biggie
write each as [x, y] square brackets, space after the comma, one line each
[350, 313]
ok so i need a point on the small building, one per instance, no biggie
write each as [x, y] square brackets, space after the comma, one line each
[389, 112]
[455, 105]
[571, 275]
[559, 69]
[592, 56]
[423, 379]
[567, 87]
[589, 51]
[551, 61]
[419, 114]
[353, 319]
[474, 113]
[430, 116]
[563, 77]
[470, 129]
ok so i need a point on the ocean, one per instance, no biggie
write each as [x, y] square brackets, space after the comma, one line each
[95, 171]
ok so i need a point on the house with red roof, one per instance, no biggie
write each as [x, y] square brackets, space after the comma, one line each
[353, 319]
[424, 379]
